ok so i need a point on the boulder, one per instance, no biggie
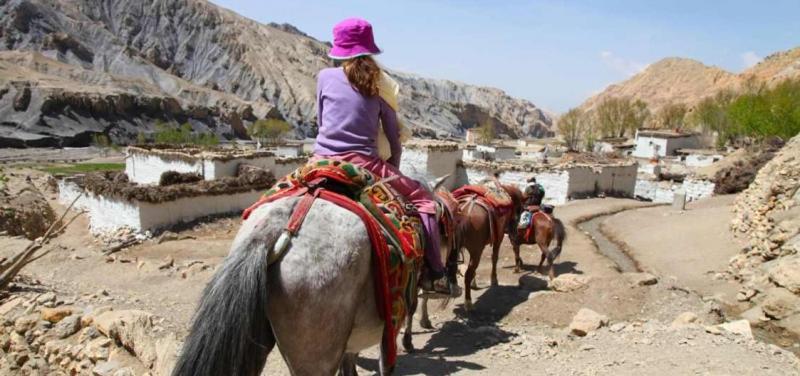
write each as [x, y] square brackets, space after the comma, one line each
[569, 282]
[93, 312]
[641, 279]
[684, 319]
[786, 273]
[25, 323]
[105, 369]
[779, 303]
[754, 315]
[132, 329]
[68, 326]
[740, 327]
[56, 314]
[586, 321]
[791, 324]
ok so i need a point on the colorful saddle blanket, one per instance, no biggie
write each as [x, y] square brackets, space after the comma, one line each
[396, 235]
[492, 192]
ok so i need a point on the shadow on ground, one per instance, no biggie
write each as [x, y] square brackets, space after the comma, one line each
[475, 331]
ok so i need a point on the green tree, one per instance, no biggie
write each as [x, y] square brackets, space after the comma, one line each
[710, 115]
[616, 117]
[573, 126]
[672, 116]
[269, 131]
[767, 112]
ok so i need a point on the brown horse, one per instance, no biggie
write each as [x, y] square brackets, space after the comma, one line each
[482, 226]
[545, 228]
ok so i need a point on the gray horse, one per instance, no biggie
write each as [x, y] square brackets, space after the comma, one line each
[317, 303]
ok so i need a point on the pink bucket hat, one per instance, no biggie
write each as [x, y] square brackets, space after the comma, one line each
[352, 38]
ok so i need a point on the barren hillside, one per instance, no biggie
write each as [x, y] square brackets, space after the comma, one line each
[688, 81]
[225, 68]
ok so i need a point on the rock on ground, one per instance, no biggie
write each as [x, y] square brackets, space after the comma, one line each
[569, 282]
[586, 321]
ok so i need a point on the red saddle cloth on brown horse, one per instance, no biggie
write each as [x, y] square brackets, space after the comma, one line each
[490, 195]
[527, 235]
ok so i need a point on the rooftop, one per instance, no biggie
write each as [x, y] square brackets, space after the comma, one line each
[662, 133]
[194, 153]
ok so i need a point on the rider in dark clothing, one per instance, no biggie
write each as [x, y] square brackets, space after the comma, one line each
[534, 194]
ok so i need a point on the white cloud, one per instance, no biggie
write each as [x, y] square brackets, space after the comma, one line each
[750, 58]
[624, 66]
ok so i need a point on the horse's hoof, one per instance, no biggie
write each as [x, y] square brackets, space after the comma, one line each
[468, 305]
[407, 344]
[517, 270]
[425, 324]
[495, 283]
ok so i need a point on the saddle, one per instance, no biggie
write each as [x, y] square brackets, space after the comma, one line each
[491, 196]
[394, 228]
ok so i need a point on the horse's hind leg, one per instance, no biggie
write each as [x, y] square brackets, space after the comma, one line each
[495, 256]
[408, 344]
[425, 321]
[517, 259]
[469, 277]
[348, 367]
[541, 262]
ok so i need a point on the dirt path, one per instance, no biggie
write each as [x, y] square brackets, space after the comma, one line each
[690, 246]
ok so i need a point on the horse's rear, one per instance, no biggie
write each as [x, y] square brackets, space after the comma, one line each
[317, 301]
[544, 228]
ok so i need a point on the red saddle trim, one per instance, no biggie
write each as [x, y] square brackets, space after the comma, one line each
[379, 244]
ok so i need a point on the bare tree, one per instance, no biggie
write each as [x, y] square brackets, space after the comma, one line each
[672, 116]
[615, 117]
[573, 126]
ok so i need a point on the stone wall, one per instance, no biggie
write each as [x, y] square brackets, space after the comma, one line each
[664, 191]
[108, 214]
[767, 214]
[430, 164]
[143, 167]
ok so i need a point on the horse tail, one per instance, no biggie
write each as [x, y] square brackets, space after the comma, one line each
[231, 333]
[560, 236]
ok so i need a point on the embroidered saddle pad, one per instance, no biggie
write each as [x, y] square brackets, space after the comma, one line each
[398, 245]
[492, 192]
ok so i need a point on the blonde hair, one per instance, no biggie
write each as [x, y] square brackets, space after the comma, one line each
[363, 73]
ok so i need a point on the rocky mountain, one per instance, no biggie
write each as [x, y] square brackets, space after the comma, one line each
[679, 80]
[73, 68]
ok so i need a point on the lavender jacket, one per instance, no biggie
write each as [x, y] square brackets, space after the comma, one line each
[349, 121]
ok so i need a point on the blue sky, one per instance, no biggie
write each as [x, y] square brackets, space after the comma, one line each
[553, 53]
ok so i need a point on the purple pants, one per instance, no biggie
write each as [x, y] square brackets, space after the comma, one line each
[411, 190]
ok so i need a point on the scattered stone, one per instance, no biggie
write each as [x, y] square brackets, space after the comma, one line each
[55, 315]
[746, 294]
[25, 323]
[167, 236]
[569, 282]
[779, 303]
[740, 327]
[684, 319]
[68, 326]
[88, 318]
[132, 329]
[641, 279]
[754, 315]
[617, 327]
[786, 273]
[46, 298]
[586, 321]
[105, 368]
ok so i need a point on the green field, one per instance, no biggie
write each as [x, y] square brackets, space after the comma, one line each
[80, 168]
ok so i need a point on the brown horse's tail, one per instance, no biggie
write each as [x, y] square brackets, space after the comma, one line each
[560, 236]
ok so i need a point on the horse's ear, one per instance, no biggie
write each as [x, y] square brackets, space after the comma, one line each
[439, 182]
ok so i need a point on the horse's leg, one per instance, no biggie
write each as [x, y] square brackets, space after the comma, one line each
[469, 277]
[541, 262]
[495, 256]
[517, 260]
[348, 367]
[544, 245]
[408, 345]
[385, 369]
[425, 321]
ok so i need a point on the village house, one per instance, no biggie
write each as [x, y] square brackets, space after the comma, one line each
[621, 146]
[656, 143]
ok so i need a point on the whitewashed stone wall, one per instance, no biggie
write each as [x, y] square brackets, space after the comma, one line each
[429, 165]
[147, 169]
[701, 160]
[107, 214]
[664, 191]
